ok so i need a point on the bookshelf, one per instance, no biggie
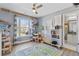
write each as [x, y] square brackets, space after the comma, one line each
[5, 38]
[56, 36]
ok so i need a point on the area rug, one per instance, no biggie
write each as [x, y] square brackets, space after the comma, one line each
[39, 50]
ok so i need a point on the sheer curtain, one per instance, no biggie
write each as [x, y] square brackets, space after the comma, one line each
[23, 27]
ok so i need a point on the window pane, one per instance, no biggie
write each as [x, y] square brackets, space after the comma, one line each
[23, 26]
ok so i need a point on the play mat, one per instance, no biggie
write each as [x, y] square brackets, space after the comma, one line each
[39, 50]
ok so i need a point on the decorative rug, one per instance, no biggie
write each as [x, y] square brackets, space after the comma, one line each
[39, 50]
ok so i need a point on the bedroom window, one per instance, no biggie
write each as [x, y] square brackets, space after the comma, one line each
[23, 26]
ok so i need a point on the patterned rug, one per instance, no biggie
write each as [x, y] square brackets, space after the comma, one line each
[39, 50]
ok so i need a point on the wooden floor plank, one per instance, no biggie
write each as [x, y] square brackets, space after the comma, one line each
[67, 52]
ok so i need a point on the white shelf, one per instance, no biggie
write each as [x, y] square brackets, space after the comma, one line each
[4, 49]
[6, 42]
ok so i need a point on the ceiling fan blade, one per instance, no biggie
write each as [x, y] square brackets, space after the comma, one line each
[36, 12]
[39, 6]
[34, 4]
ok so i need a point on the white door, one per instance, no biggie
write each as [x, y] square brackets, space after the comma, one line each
[72, 41]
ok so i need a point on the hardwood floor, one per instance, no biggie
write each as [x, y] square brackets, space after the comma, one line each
[67, 52]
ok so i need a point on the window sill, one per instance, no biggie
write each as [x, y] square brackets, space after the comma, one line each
[23, 41]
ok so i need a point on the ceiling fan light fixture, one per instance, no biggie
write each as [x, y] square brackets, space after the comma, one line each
[34, 10]
[35, 7]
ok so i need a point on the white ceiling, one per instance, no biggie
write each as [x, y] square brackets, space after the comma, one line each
[26, 8]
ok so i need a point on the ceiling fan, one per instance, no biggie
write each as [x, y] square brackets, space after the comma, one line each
[35, 7]
[76, 4]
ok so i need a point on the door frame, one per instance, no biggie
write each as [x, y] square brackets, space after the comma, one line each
[78, 34]
[77, 47]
